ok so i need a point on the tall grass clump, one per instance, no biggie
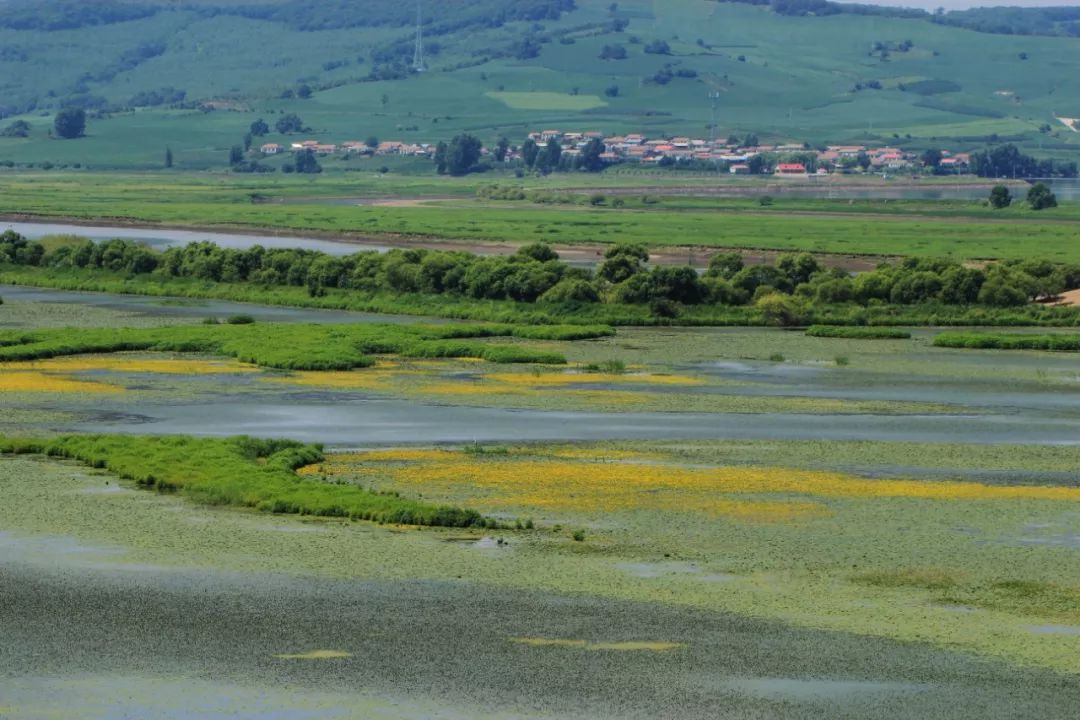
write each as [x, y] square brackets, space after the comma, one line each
[1008, 341]
[857, 333]
[241, 472]
[287, 347]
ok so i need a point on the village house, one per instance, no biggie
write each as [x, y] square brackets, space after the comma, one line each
[390, 147]
[271, 149]
[790, 169]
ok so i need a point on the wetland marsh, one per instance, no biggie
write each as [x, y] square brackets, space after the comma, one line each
[663, 504]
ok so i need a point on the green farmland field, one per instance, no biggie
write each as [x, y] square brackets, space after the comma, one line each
[962, 230]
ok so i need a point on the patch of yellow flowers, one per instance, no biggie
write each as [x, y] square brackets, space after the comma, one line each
[601, 480]
[39, 382]
[119, 363]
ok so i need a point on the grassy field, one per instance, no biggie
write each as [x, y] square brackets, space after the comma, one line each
[774, 76]
[890, 228]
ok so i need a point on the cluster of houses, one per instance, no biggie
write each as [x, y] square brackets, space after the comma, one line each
[351, 147]
[737, 158]
[638, 148]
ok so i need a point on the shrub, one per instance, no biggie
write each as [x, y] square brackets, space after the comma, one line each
[1040, 197]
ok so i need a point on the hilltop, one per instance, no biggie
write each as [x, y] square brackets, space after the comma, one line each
[193, 75]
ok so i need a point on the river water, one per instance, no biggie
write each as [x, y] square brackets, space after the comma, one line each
[161, 238]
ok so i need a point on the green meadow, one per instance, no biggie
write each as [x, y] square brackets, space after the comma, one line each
[773, 75]
[955, 229]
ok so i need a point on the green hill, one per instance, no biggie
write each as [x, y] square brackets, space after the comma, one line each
[193, 75]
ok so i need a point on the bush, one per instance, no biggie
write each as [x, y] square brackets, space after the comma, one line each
[780, 310]
[1040, 197]
[1000, 197]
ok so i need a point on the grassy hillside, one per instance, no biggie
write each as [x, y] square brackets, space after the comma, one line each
[781, 77]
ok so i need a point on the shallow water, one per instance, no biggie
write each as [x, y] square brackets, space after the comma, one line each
[979, 394]
[345, 419]
[185, 644]
[162, 238]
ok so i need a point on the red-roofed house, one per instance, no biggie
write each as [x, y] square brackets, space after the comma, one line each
[790, 169]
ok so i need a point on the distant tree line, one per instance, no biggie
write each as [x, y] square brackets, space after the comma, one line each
[443, 16]
[535, 274]
[1003, 20]
[1006, 161]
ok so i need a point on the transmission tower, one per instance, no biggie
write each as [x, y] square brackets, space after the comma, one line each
[714, 96]
[418, 54]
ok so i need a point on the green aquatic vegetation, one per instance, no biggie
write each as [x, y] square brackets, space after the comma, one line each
[240, 472]
[1009, 341]
[857, 333]
[288, 347]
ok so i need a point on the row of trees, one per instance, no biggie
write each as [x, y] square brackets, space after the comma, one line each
[535, 274]
[1006, 161]
[463, 155]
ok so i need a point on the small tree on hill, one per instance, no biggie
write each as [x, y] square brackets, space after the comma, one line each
[19, 128]
[236, 155]
[1040, 197]
[1000, 197]
[289, 124]
[70, 123]
[168, 157]
[259, 128]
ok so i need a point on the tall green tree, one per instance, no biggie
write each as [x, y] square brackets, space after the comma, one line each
[501, 149]
[305, 162]
[168, 157]
[70, 123]
[463, 154]
[441, 160]
[529, 151]
[590, 159]
[236, 155]
[259, 128]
